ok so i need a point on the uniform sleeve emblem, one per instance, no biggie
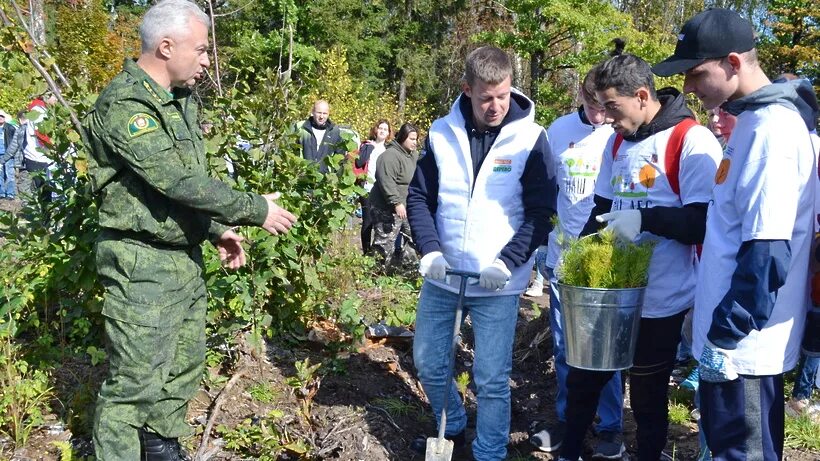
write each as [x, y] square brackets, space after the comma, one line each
[140, 124]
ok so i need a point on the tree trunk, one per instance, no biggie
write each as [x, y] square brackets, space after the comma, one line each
[535, 73]
[402, 92]
[38, 21]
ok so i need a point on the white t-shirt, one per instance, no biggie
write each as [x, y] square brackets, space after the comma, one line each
[32, 143]
[378, 150]
[576, 152]
[319, 134]
[637, 179]
[758, 196]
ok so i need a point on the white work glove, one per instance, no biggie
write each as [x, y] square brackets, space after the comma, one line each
[715, 365]
[495, 276]
[433, 266]
[625, 223]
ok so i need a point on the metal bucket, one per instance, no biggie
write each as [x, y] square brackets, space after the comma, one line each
[600, 326]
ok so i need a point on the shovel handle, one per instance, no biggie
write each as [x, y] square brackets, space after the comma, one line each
[465, 275]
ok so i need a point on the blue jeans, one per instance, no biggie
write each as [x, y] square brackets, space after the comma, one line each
[804, 382]
[610, 405]
[8, 188]
[493, 322]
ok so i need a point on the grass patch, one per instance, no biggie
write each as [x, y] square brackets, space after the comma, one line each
[802, 433]
[398, 407]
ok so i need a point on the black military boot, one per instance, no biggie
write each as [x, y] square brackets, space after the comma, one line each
[154, 447]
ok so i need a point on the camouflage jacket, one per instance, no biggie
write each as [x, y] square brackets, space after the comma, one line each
[149, 168]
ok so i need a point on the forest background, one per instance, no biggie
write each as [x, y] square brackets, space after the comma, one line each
[370, 59]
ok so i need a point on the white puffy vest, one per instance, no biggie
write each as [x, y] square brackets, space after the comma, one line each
[474, 222]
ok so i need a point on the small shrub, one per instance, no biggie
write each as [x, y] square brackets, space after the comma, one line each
[24, 393]
[262, 392]
[603, 262]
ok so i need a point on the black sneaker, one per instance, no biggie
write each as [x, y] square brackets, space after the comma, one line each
[610, 446]
[549, 438]
[154, 447]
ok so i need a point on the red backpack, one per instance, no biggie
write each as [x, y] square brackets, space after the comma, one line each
[671, 158]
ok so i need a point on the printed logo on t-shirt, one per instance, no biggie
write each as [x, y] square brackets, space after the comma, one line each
[722, 171]
[630, 183]
[580, 170]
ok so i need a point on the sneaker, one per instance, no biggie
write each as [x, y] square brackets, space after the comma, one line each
[549, 439]
[535, 289]
[691, 381]
[610, 446]
[795, 407]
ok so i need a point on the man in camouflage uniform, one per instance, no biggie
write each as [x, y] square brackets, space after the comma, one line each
[157, 205]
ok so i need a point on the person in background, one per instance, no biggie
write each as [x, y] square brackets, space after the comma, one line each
[319, 136]
[8, 165]
[369, 152]
[388, 198]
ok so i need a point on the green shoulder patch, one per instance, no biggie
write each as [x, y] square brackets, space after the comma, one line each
[140, 124]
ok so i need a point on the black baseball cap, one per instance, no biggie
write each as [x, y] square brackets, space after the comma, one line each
[710, 34]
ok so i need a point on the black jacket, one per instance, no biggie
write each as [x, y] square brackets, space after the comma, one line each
[331, 143]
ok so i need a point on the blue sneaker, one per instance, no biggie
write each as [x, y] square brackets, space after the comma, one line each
[691, 381]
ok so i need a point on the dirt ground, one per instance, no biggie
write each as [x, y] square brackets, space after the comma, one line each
[370, 408]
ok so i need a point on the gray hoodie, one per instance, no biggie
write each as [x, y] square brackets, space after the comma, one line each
[797, 95]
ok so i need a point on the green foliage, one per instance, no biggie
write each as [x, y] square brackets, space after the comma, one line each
[265, 439]
[604, 262]
[794, 42]
[397, 301]
[462, 381]
[262, 392]
[563, 39]
[85, 47]
[24, 394]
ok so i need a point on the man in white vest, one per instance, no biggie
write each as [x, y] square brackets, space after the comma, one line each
[480, 201]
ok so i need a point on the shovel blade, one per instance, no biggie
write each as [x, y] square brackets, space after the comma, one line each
[438, 449]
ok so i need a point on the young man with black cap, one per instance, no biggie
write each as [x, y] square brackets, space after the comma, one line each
[752, 294]
[654, 185]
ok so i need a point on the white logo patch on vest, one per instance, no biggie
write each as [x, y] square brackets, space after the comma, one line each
[502, 165]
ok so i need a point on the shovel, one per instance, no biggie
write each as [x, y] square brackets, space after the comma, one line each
[439, 448]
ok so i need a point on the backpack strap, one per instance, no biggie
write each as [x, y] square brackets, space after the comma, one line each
[673, 151]
[619, 139]
[672, 162]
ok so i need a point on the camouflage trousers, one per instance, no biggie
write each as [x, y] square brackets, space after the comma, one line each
[386, 228]
[154, 309]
